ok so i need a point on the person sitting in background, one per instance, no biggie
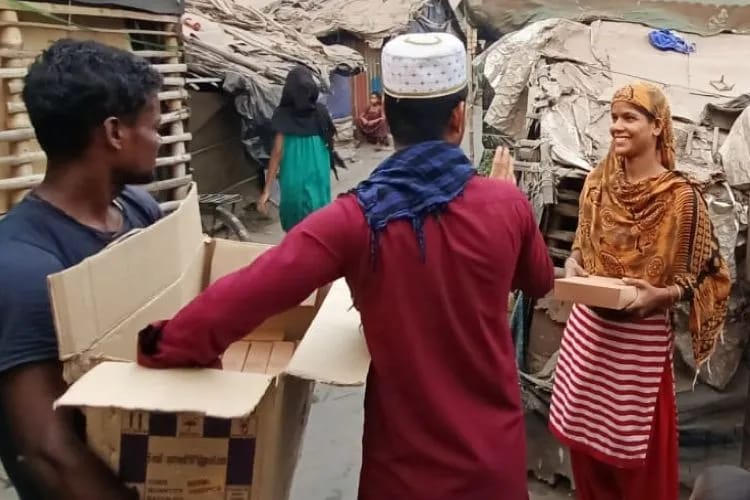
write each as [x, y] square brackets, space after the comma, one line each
[722, 483]
[96, 115]
[372, 126]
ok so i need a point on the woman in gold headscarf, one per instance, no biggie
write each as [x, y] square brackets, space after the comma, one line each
[613, 402]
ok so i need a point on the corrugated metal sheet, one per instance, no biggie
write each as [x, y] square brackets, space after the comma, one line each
[705, 17]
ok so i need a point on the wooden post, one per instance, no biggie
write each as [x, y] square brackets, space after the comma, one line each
[176, 128]
[10, 38]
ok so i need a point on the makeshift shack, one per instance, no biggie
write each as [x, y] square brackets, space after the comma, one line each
[356, 24]
[547, 92]
[242, 56]
[195, 434]
[29, 27]
[704, 17]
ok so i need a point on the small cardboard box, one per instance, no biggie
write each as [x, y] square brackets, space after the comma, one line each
[195, 434]
[595, 291]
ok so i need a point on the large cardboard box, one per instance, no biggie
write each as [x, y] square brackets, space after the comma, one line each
[195, 434]
[595, 291]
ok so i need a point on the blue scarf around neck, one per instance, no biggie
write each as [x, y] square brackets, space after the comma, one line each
[413, 184]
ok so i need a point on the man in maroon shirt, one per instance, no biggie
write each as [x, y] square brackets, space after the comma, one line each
[431, 253]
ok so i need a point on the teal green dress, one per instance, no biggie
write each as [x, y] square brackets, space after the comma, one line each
[304, 178]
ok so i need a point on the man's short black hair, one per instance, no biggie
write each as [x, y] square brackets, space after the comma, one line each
[420, 120]
[75, 85]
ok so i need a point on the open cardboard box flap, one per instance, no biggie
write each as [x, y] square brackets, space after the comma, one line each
[101, 305]
[127, 386]
[95, 300]
[333, 351]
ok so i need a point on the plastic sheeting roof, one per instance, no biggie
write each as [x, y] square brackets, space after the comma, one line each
[694, 16]
[367, 19]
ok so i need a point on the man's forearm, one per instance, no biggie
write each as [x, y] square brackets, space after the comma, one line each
[66, 469]
[88, 479]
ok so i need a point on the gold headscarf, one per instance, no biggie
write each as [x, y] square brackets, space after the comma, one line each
[657, 229]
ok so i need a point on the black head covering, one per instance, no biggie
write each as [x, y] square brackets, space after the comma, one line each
[299, 112]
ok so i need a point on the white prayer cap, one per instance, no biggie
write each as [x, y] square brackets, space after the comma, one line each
[424, 66]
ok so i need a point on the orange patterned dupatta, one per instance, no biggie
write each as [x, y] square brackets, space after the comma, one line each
[657, 229]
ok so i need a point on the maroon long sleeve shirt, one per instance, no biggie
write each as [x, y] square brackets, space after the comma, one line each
[443, 416]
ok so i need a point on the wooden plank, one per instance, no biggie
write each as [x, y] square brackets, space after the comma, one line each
[568, 195]
[76, 10]
[257, 357]
[271, 335]
[156, 54]
[170, 68]
[168, 184]
[179, 149]
[173, 95]
[85, 29]
[566, 210]
[558, 253]
[173, 81]
[564, 236]
[235, 356]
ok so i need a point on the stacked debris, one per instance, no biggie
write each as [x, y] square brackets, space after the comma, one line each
[547, 92]
[361, 18]
[251, 53]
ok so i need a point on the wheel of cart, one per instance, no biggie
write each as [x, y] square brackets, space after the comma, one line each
[219, 221]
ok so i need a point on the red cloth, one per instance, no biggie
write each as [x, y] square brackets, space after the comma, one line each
[607, 383]
[377, 127]
[443, 416]
[658, 479]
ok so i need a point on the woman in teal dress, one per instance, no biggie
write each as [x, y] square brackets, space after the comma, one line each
[302, 156]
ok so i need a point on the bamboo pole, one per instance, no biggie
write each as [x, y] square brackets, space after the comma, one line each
[171, 139]
[21, 159]
[17, 107]
[21, 68]
[75, 10]
[175, 116]
[168, 184]
[4, 23]
[177, 128]
[173, 161]
[21, 150]
[20, 183]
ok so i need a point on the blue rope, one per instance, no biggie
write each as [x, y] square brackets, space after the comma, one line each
[667, 40]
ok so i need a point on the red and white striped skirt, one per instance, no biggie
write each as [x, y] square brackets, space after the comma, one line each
[606, 385]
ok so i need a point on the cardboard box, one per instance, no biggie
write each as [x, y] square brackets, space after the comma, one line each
[595, 291]
[195, 434]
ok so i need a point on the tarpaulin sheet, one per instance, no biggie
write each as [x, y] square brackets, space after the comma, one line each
[560, 75]
[252, 53]
[369, 20]
[694, 16]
